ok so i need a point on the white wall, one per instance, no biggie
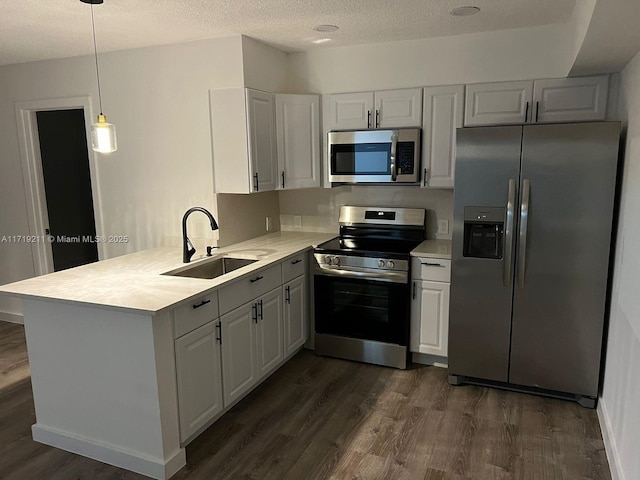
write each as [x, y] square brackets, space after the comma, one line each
[524, 53]
[619, 406]
[158, 99]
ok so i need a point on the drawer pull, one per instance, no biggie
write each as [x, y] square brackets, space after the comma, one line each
[433, 264]
[202, 303]
[296, 261]
[253, 280]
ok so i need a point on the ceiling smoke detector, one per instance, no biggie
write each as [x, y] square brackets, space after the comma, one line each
[464, 11]
[325, 28]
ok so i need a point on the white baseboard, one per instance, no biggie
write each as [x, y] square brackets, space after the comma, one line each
[11, 317]
[426, 359]
[127, 459]
[609, 442]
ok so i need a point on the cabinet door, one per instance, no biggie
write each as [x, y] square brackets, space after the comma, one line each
[295, 314]
[350, 111]
[298, 141]
[238, 352]
[269, 335]
[430, 318]
[398, 108]
[262, 140]
[443, 111]
[575, 99]
[199, 378]
[504, 103]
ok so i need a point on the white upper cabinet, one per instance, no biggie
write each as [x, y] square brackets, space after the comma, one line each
[298, 141]
[502, 103]
[348, 111]
[244, 140]
[443, 110]
[398, 108]
[570, 99]
[575, 99]
[381, 109]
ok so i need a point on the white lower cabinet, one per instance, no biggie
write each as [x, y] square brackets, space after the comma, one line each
[430, 306]
[239, 371]
[219, 361]
[295, 315]
[269, 336]
[199, 378]
[430, 318]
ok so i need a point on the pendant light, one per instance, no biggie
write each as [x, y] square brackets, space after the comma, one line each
[103, 134]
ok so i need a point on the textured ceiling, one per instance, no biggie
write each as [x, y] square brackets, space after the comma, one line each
[42, 29]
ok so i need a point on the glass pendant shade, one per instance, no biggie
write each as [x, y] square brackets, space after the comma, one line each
[103, 136]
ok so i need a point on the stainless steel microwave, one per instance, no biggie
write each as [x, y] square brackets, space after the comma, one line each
[375, 156]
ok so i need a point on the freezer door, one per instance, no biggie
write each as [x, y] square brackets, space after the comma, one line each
[487, 169]
[563, 255]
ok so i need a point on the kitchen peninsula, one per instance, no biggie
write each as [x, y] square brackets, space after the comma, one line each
[107, 366]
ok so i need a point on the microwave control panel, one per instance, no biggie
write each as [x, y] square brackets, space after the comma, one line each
[405, 152]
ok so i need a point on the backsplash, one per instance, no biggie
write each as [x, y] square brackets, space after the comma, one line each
[242, 217]
[318, 209]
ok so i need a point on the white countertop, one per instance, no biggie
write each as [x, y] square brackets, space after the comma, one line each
[433, 249]
[134, 282]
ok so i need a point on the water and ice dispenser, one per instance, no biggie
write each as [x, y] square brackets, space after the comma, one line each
[483, 232]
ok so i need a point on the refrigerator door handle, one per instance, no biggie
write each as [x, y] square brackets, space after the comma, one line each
[508, 234]
[524, 220]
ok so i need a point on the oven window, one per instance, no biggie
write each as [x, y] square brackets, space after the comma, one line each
[362, 309]
[361, 159]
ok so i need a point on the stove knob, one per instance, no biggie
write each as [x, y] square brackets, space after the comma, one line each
[391, 264]
[328, 259]
[381, 263]
[336, 261]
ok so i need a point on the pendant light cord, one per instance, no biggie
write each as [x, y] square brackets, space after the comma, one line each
[95, 51]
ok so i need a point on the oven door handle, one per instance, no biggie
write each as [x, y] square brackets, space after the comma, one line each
[393, 277]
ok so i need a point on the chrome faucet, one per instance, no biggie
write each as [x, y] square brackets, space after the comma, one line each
[187, 247]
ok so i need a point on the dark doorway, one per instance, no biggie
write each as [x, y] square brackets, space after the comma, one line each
[67, 184]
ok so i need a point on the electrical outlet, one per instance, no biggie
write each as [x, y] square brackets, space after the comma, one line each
[443, 227]
[297, 221]
[268, 224]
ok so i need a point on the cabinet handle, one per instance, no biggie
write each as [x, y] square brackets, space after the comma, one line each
[377, 118]
[255, 182]
[537, 108]
[219, 329]
[254, 314]
[425, 177]
[296, 261]
[414, 290]
[526, 113]
[259, 277]
[287, 295]
[202, 303]
[432, 264]
[368, 118]
[282, 179]
[260, 312]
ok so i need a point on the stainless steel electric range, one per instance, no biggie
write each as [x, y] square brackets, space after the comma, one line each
[362, 292]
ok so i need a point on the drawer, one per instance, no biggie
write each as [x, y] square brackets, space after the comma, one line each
[431, 269]
[249, 288]
[295, 266]
[195, 313]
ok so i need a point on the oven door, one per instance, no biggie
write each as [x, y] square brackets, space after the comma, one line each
[362, 308]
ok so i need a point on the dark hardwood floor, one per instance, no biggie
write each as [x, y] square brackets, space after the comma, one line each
[320, 418]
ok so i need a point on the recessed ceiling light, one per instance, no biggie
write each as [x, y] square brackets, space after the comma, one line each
[321, 40]
[464, 11]
[325, 28]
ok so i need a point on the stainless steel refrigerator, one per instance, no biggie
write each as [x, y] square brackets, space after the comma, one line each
[533, 210]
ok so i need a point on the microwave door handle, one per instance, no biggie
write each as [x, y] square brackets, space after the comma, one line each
[394, 144]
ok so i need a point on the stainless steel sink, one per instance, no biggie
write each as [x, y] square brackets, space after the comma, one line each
[212, 268]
